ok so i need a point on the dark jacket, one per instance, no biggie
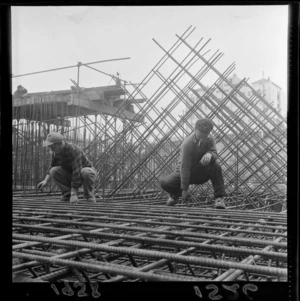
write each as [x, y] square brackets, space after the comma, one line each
[190, 155]
[72, 159]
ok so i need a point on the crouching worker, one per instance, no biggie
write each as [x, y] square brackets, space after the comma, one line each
[70, 168]
[198, 164]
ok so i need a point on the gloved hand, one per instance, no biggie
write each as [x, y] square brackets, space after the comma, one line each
[41, 185]
[206, 159]
[185, 195]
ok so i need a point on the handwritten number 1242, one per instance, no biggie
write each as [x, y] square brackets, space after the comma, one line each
[232, 288]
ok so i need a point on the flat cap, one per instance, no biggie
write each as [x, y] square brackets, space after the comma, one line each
[53, 137]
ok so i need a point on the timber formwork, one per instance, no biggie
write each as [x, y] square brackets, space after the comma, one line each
[129, 240]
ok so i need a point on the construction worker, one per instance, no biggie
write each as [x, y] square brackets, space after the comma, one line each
[197, 164]
[21, 91]
[70, 168]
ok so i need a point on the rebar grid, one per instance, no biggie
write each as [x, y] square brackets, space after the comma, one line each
[263, 161]
[115, 240]
[133, 155]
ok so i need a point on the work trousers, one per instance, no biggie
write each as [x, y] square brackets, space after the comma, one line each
[199, 175]
[63, 180]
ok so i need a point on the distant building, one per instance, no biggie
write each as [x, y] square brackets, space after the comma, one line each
[271, 92]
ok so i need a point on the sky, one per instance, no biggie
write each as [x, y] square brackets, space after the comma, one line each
[254, 37]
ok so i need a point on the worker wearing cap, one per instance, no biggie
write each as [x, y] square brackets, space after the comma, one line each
[21, 91]
[70, 168]
[197, 164]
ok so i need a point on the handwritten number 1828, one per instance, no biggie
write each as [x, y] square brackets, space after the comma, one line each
[67, 290]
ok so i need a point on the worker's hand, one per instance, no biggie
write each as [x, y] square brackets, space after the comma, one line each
[206, 159]
[185, 195]
[41, 185]
[74, 198]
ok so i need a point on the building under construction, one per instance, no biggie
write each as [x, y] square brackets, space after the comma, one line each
[132, 133]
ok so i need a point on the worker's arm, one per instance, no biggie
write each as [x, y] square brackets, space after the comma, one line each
[212, 148]
[211, 154]
[42, 184]
[77, 165]
[54, 162]
[185, 167]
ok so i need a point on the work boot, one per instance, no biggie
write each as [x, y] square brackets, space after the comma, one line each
[172, 200]
[65, 198]
[220, 203]
[91, 200]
